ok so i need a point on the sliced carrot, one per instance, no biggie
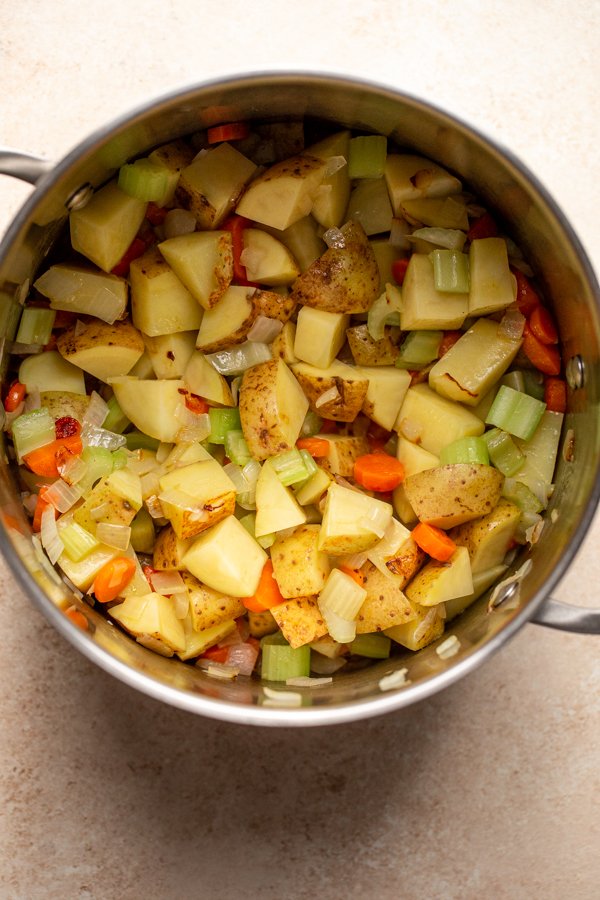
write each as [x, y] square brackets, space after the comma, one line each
[449, 339]
[216, 654]
[267, 593]
[14, 396]
[544, 357]
[555, 394]
[235, 225]
[543, 325]
[378, 471]
[77, 618]
[44, 460]
[233, 131]
[433, 541]
[483, 227]
[40, 508]
[527, 296]
[135, 249]
[355, 574]
[399, 267]
[113, 578]
[314, 445]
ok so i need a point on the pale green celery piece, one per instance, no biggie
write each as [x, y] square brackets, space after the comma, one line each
[311, 425]
[514, 380]
[115, 420]
[375, 646]
[77, 541]
[418, 349]
[450, 271]
[144, 180]
[142, 532]
[280, 661]
[504, 453]
[32, 430]
[515, 412]
[309, 463]
[534, 383]
[249, 523]
[120, 459]
[222, 421]
[35, 326]
[384, 311]
[137, 440]
[236, 448]
[465, 450]
[290, 467]
[519, 494]
[99, 463]
[367, 155]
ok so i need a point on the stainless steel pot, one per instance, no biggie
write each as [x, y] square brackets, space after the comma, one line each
[549, 244]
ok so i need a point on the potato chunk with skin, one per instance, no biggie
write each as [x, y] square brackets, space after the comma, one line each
[347, 520]
[209, 607]
[350, 384]
[450, 495]
[368, 352]
[169, 550]
[203, 261]
[488, 539]
[272, 408]
[426, 627]
[441, 581]
[432, 421]
[300, 568]
[102, 349]
[385, 604]
[284, 193]
[300, 620]
[344, 450]
[211, 184]
[160, 303]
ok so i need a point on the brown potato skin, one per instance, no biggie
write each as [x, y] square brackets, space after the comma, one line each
[259, 412]
[344, 408]
[169, 550]
[446, 496]
[96, 332]
[368, 352]
[300, 620]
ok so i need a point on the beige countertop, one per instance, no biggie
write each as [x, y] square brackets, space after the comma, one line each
[488, 790]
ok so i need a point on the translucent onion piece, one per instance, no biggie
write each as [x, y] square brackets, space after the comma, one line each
[236, 360]
[426, 624]
[177, 222]
[265, 329]
[327, 397]
[168, 582]
[150, 483]
[141, 463]
[325, 665]
[356, 560]
[94, 436]
[281, 698]
[394, 680]
[117, 536]
[512, 325]
[450, 238]
[49, 536]
[399, 234]
[194, 426]
[342, 630]
[448, 648]
[243, 657]
[62, 496]
[251, 258]
[411, 430]
[251, 471]
[72, 469]
[377, 521]
[235, 388]
[334, 237]
[162, 452]
[503, 592]
[96, 412]
[217, 670]
[154, 508]
[99, 511]
[307, 681]
[181, 604]
[237, 476]
[334, 164]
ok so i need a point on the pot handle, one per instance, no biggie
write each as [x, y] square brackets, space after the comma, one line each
[23, 165]
[564, 617]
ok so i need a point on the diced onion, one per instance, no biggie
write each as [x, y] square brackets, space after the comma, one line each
[503, 591]
[356, 560]
[448, 648]
[334, 164]
[194, 426]
[251, 258]
[340, 629]
[426, 624]
[96, 412]
[237, 359]
[97, 512]
[80, 328]
[177, 222]
[94, 436]
[327, 397]
[325, 665]
[237, 476]
[307, 681]
[265, 329]
[394, 680]
[235, 388]
[162, 452]
[512, 325]
[334, 237]
[411, 430]
[376, 521]
[399, 234]
[181, 604]
[281, 698]
[217, 670]
[154, 508]
[49, 535]
[449, 238]
[117, 536]
[72, 469]
[168, 582]
[251, 471]
[61, 495]
[243, 657]
[150, 483]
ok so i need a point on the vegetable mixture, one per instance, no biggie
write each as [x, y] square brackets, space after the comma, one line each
[285, 404]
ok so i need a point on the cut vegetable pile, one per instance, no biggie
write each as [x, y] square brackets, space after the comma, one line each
[288, 403]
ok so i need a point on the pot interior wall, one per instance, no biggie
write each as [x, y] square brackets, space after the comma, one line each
[531, 219]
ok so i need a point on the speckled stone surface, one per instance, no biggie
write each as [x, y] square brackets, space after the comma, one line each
[488, 790]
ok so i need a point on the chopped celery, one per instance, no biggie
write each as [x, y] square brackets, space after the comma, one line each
[519, 494]
[249, 523]
[144, 180]
[311, 425]
[236, 447]
[280, 661]
[222, 421]
[99, 462]
[515, 412]
[367, 156]
[384, 311]
[309, 463]
[35, 326]
[115, 420]
[142, 532]
[504, 453]
[526, 381]
[290, 467]
[450, 271]
[77, 541]
[418, 349]
[120, 458]
[137, 440]
[32, 430]
[465, 450]
[375, 646]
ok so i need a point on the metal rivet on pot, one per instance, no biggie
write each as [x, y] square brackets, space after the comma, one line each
[80, 197]
[575, 372]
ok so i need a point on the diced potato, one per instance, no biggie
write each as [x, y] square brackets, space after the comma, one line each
[208, 497]
[276, 506]
[351, 389]
[368, 352]
[85, 291]
[331, 199]
[151, 614]
[203, 380]
[203, 262]
[196, 642]
[397, 554]
[481, 582]
[272, 408]
[385, 604]
[344, 279]
[211, 560]
[104, 228]
[83, 572]
[385, 255]
[313, 490]
[474, 364]
[64, 403]
[50, 372]
[540, 454]
[261, 623]
[102, 349]
[319, 336]
[170, 353]
[450, 212]
[493, 287]
[228, 322]
[169, 550]
[284, 193]
[488, 539]
[160, 303]
[411, 177]
[267, 260]
[344, 450]
[151, 405]
[432, 421]
[437, 581]
[370, 206]
[385, 394]
[300, 621]
[211, 185]
[302, 240]
[425, 308]
[283, 345]
[299, 567]
[450, 495]
[414, 459]
[427, 627]
[346, 526]
[273, 305]
[209, 607]
[109, 505]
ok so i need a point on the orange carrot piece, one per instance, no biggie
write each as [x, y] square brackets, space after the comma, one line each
[543, 326]
[378, 471]
[527, 296]
[14, 396]
[233, 131]
[77, 618]
[267, 593]
[544, 357]
[216, 654]
[314, 445]
[355, 574]
[555, 394]
[113, 578]
[40, 508]
[433, 541]
[44, 460]
[483, 227]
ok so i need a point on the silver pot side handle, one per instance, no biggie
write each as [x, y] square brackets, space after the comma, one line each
[23, 165]
[564, 617]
